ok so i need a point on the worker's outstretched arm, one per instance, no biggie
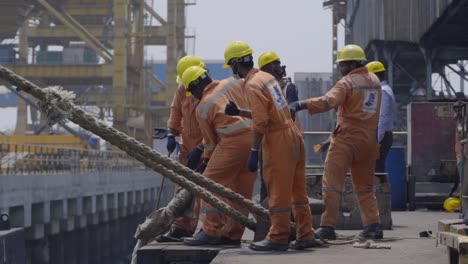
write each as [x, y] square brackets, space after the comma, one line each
[246, 113]
[233, 110]
[332, 99]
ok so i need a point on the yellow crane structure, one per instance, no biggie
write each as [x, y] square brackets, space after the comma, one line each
[96, 48]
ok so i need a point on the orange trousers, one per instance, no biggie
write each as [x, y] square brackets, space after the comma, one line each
[360, 155]
[187, 223]
[284, 176]
[228, 167]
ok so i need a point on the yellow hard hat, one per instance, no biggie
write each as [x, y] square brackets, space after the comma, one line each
[375, 66]
[451, 203]
[266, 58]
[237, 49]
[351, 53]
[186, 62]
[191, 74]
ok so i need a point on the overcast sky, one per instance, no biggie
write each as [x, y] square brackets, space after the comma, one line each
[300, 31]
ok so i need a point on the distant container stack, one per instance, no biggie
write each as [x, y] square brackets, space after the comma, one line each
[49, 57]
[79, 55]
[73, 54]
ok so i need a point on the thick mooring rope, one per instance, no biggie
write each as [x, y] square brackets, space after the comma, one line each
[197, 191]
[153, 159]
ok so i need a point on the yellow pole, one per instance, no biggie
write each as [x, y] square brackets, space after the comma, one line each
[119, 79]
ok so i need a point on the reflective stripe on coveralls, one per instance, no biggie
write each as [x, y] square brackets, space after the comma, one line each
[283, 157]
[209, 147]
[353, 144]
[234, 127]
[206, 105]
[231, 136]
[183, 120]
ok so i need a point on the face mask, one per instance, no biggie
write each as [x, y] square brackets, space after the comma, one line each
[277, 70]
[235, 71]
[283, 70]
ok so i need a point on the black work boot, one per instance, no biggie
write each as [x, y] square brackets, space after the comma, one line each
[325, 232]
[303, 244]
[175, 234]
[372, 231]
[267, 245]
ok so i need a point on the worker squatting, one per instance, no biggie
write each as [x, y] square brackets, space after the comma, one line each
[229, 128]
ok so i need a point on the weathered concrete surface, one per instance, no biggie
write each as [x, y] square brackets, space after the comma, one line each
[411, 250]
[56, 199]
[12, 247]
[176, 253]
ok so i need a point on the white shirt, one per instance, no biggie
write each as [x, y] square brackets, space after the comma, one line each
[388, 111]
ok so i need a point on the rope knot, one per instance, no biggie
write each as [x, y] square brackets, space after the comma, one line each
[57, 104]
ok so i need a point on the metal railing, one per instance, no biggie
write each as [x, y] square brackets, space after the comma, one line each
[321, 133]
[29, 159]
[315, 167]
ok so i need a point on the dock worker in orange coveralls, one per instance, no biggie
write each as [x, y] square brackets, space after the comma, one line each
[226, 150]
[283, 153]
[182, 122]
[353, 143]
[270, 62]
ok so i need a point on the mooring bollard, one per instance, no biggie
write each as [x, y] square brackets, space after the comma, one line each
[4, 222]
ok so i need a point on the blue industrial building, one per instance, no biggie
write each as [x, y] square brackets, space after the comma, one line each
[215, 68]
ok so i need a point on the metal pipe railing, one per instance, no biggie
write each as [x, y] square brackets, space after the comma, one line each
[326, 133]
[27, 159]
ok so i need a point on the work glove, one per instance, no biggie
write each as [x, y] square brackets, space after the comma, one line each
[252, 164]
[194, 157]
[232, 109]
[294, 108]
[201, 168]
[160, 133]
[322, 147]
[171, 143]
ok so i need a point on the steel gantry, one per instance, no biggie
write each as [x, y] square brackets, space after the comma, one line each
[96, 48]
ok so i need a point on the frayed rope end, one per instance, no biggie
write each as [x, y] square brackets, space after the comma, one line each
[54, 105]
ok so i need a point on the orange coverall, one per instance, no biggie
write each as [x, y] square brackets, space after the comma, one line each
[227, 144]
[182, 119]
[283, 157]
[353, 143]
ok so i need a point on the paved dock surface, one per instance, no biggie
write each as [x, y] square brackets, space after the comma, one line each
[407, 225]
[411, 249]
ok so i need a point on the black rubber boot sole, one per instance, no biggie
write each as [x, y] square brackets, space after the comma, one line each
[266, 245]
